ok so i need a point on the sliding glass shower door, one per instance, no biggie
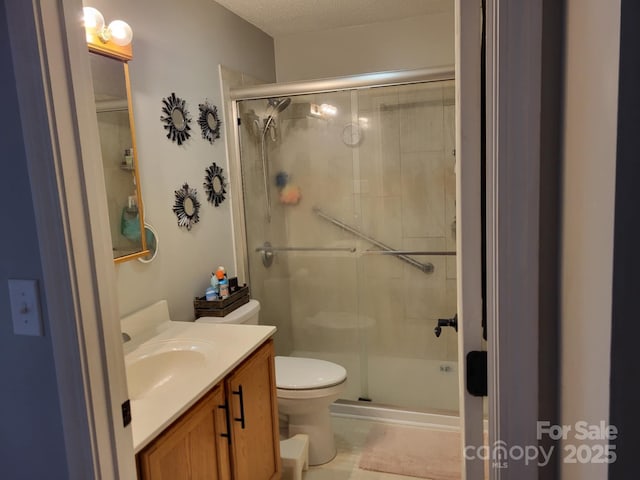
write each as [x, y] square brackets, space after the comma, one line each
[350, 218]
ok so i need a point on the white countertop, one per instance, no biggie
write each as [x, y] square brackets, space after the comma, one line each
[227, 346]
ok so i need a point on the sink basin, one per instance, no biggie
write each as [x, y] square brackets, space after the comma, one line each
[162, 364]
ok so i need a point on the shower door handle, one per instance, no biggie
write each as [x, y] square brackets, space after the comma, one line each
[477, 373]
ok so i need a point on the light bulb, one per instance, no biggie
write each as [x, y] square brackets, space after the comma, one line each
[93, 20]
[121, 33]
[327, 109]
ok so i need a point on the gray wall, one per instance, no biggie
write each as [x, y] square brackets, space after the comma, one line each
[177, 47]
[31, 437]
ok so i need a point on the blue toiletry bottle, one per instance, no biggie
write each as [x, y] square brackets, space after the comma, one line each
[210, 294]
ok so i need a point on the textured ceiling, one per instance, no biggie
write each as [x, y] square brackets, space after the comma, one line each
[282, 17]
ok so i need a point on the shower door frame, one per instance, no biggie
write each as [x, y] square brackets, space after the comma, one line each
[468, 196]
[353, 84]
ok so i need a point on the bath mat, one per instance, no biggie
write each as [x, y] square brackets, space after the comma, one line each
[413, 452]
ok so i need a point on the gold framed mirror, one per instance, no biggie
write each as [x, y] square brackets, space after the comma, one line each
[112, 92]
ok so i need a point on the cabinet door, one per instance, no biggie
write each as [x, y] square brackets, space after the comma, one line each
[254, 409]
[192, 448]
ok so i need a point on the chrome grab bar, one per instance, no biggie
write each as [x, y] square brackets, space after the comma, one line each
[267, 251]
[425, 267]
[305, 249]
[409, 252]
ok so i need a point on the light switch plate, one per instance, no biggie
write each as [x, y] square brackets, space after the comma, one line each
[25, 307]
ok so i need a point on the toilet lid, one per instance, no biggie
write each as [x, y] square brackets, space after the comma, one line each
[297, 373]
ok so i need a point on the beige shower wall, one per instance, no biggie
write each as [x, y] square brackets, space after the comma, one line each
[397, 186]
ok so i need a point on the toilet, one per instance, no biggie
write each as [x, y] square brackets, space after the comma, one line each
[305, 389]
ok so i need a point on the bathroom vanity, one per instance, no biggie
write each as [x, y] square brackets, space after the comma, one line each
[203, 400]
[231, 433]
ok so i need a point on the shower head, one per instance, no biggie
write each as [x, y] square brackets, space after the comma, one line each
[279, 104]
[276, 106]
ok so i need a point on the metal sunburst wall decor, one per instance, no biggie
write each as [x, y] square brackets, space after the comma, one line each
[209, 121]
[176, 118]
[187, 206]
[215, 184]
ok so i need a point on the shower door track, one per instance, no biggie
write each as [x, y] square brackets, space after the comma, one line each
[354, 82]
[440, 420]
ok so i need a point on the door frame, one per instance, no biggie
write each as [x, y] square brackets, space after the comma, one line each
[53, 81]
[468, 28]
[513, 113]
[62, 148]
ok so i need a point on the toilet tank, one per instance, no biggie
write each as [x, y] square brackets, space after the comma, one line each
[247, 314]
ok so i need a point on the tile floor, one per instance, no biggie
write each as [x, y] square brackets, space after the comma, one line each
[351, 435]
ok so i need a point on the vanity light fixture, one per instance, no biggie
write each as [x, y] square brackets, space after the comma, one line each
[114, 39]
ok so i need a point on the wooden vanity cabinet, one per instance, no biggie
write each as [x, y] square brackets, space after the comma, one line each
[255, 443]
[196, 446]
[191, 448]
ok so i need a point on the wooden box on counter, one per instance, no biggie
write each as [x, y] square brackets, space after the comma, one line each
[220, 308]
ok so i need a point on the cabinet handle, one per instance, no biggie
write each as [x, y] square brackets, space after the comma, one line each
[227, 435]
[239, 393]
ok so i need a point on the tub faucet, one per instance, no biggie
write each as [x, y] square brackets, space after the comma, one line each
[125, 337]
[446, 322]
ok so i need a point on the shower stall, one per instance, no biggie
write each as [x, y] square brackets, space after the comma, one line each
[348, 193]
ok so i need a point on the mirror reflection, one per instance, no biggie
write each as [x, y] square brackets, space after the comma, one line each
[178, 119]
[118, 157]
[211, 121]
[188, 206]
[217, 185]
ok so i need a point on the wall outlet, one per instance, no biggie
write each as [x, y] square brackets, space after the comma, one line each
[25, 307]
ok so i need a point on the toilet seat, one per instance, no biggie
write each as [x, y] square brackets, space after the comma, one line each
[311, 393]
[298, 373]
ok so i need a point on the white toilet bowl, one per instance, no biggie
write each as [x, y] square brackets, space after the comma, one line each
[305, 389]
